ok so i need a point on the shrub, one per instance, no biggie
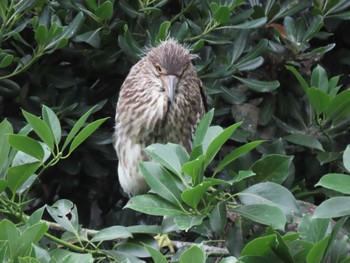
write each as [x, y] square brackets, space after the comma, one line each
[266, 68]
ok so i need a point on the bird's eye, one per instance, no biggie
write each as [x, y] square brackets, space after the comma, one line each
[159, 69]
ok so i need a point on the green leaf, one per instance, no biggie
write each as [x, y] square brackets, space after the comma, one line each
[222, 15]
[90, 37]
[73, 27]
[185, 222]
[3, 185]
[316, 253]
[163, 31]
[111, 233]
[105, 10]
[271, 194]
[156, 255]
[85, 133]
[66, 256]
[218, 218]
[171, 156]
[10, 233]
[18, 175]
[65, 213]
[31, 235]
[153, 205]
[346, 157]
[77, 126]
[339, 107]
[263, 214]
[26, 145]
[273, 167]
[250, 24]
[218, 142]
[319, 79]
[241, 176]
[312, 29]
[258, 85]
[250, 64]
[301, 80]
[334, 207]
[35, 217]
[9, 88]
[260, 246]
[202, 128]
[304, 140]
[193, 196]
[313, 229]
[195, 169]
[41, 35]
[6, 60]
[336, 182]
[40, 128]
[5, 129]
[161, 182]
[53, 122]
[194, 254]
[236, 154]
[319, 100]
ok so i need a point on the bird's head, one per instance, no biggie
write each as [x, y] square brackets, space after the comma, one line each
[169, 62]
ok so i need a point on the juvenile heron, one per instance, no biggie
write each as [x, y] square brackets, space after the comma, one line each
[161, 100]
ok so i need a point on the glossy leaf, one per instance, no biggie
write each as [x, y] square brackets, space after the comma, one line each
[163, 31]
[77, 126]
[218, 142]
[218, 218]
[66, 256]
[185, 222]
[85, 133]
[18, 175]
[222, 14]
[263, 214]
[336, 182]
[10, 233]
[111, 233]
[65, 213]
[271, 194]
[313, 229]
[316, 253]
[334, 207]
[105, 10]
[259, 85]
[301, 80]
[202, 128]
[53, 122]
[193, 196]
[273, 167]
[41, 34]
[29, 236]
[319, 79]
[346, 158]
[26, 145]
[161, 182]
[195, 169]
[194, 254]
[153, 205]
[319, 100]
[156, 255]
[5, 129]
[40, 128]
[304, 140]
[171, 156]
[236, 154]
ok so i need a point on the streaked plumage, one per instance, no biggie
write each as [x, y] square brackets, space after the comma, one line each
[161, 100]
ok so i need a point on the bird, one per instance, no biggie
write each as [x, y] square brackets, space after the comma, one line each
[161, 100]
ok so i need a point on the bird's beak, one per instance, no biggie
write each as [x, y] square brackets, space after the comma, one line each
[171, 82]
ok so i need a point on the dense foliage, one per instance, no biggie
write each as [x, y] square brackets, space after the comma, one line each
[272, 186]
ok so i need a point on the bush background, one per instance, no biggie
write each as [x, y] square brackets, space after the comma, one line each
[244, 39]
